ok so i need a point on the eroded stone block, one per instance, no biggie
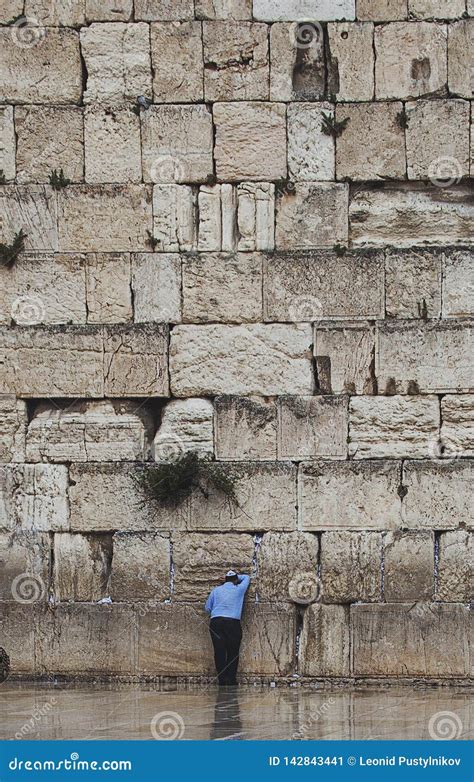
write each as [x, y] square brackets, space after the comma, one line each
[186, 425]
[314, 215]
[17, 626]
[34, 497]
[7, 143]
[246, 428]
[235, 60]
[24, 566]
[287, 566]
[108, 293]
[323, 10]
[458, 284]
[382, 10]
[345, 358]
[164, 10]
[156, 286]
[437, 138]
[383, 152]
[409, 560]
[413, 283]
[455, 576]
[174, 218]
[351, 60]
[177, 143]
[324, 643]
[457, 427]
[436, 9]
[460, 42]
[136, 360]
[310, 151]
[222, 9]
[437, 495]
[202, 560]
[112, 145]
[176, 53]
[351, 566]
[140, 567]
[255, 216]
[174, 640]
[54, 14]
[298, 68]
[312, 426]
[269, 632]
[32, 209]
[109, 10]
[13, 423]
[81, 567]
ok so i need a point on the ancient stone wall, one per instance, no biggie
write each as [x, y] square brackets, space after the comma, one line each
[263, 254]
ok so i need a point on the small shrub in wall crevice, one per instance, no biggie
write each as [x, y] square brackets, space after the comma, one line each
[10, 252]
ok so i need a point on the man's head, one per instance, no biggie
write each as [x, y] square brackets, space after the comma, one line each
[232, 577]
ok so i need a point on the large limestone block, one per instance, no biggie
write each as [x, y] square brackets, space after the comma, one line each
[349, 495]
[269, 640]
[54, 14]
[383, 152]
[112, 145]
[156, 286]
[177, 143]
[136, 360]
[409, 561]
[104, 218]
[44, 287]
[86, 639]
[47, 72]
[49, 138]
[235, 60]
[455, 566]
[436, 9]
[246, 428]
[106, 497]
[222, 9]
[7, 143]
[88, 431]
[460, 43]
[324, 644]
[117, 59]
[164, 10]
[174, 640]
[312, 426]
[438, 496]
[287, 567]
[108, 292]
[140, 567]
[81, 567]
[297, 62]
[382, 10]
[314, 215]
[52, 361]
[266, 497]
[437, 139]
[457, 425]
[200, 561]
[393, 427]
[310, 151]
[410, 215]
[311, 286]
[351, 566]
[222, 288]
[24, 566]
[458, 284]
[410, 60]
[250, 359]
[13, 424]
[11, 9]
[174, 218]
[250, 141]
[255, 216]
[32, 209]
[109, 10]
[345, 358]
[413, 281]
[323, 10]
[17, 628]
[186, 425]
[410, 639]
[351, 60]
[431, 358]
[177, 58]
[34, 497]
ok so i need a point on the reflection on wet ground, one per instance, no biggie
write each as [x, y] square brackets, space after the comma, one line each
[85, 711]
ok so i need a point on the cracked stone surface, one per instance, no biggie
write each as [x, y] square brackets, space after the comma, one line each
[81, 567]
[141, 567]
[186, 425]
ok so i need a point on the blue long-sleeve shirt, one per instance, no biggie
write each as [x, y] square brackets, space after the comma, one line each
[227, 600]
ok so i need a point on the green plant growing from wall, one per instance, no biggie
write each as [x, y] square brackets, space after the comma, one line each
[151, 241]
[2, 177]
[330, 127]
[402, 119]
[340, 250]
[58, 181]
[10, 252]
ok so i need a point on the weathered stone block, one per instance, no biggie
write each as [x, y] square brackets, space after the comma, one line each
[437, 139]
[109, 10]
[186, 425]
[324, 644]
[383, 152]
[382, 10]
[140, 567]
[424, 639]
[24, 566]
[177, 144]
[117, 59]
[13, 423]
[266, 496]
[413, 283]
[112, 145]
[32, 209]
[312, 426]
[164, 10]
[7, 143]
[176, 53]
[436, 9]
[136, 360]
[246, 428]
[156, 286]
[433, 358]
[409, 561]
[223, 288]
[323, 10]
[460, 42]
[174, 213]
[11, 9]
[255, 216]
[49, 138]
[437, 495]
[312, 286]
[86, 639]
[207, 360]
[298, 68]
[202, 560]
[210, 212]
[410, 215]
[457, 427]
[351, 61]
[310, 151]
[250, 141]
[54, 14]
[174, 640]
[287, 566]
[458, 284]
[17, 626]
[345, 358]
[34, 497]
[349, 495]
[81, 567]
[410, 60]
[315, 215]
[269, 632]
[235, 60]
[455, 576]
[222, 9]
[393, 427]
[108, 293]
[351, 566]
[88, 431]
[50, 72]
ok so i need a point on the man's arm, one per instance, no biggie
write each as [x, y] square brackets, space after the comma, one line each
[244, 583]
[209, 603]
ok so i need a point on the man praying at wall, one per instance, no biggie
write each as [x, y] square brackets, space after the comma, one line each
[224, 604]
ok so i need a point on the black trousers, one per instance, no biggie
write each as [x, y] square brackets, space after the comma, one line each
[226, 635]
